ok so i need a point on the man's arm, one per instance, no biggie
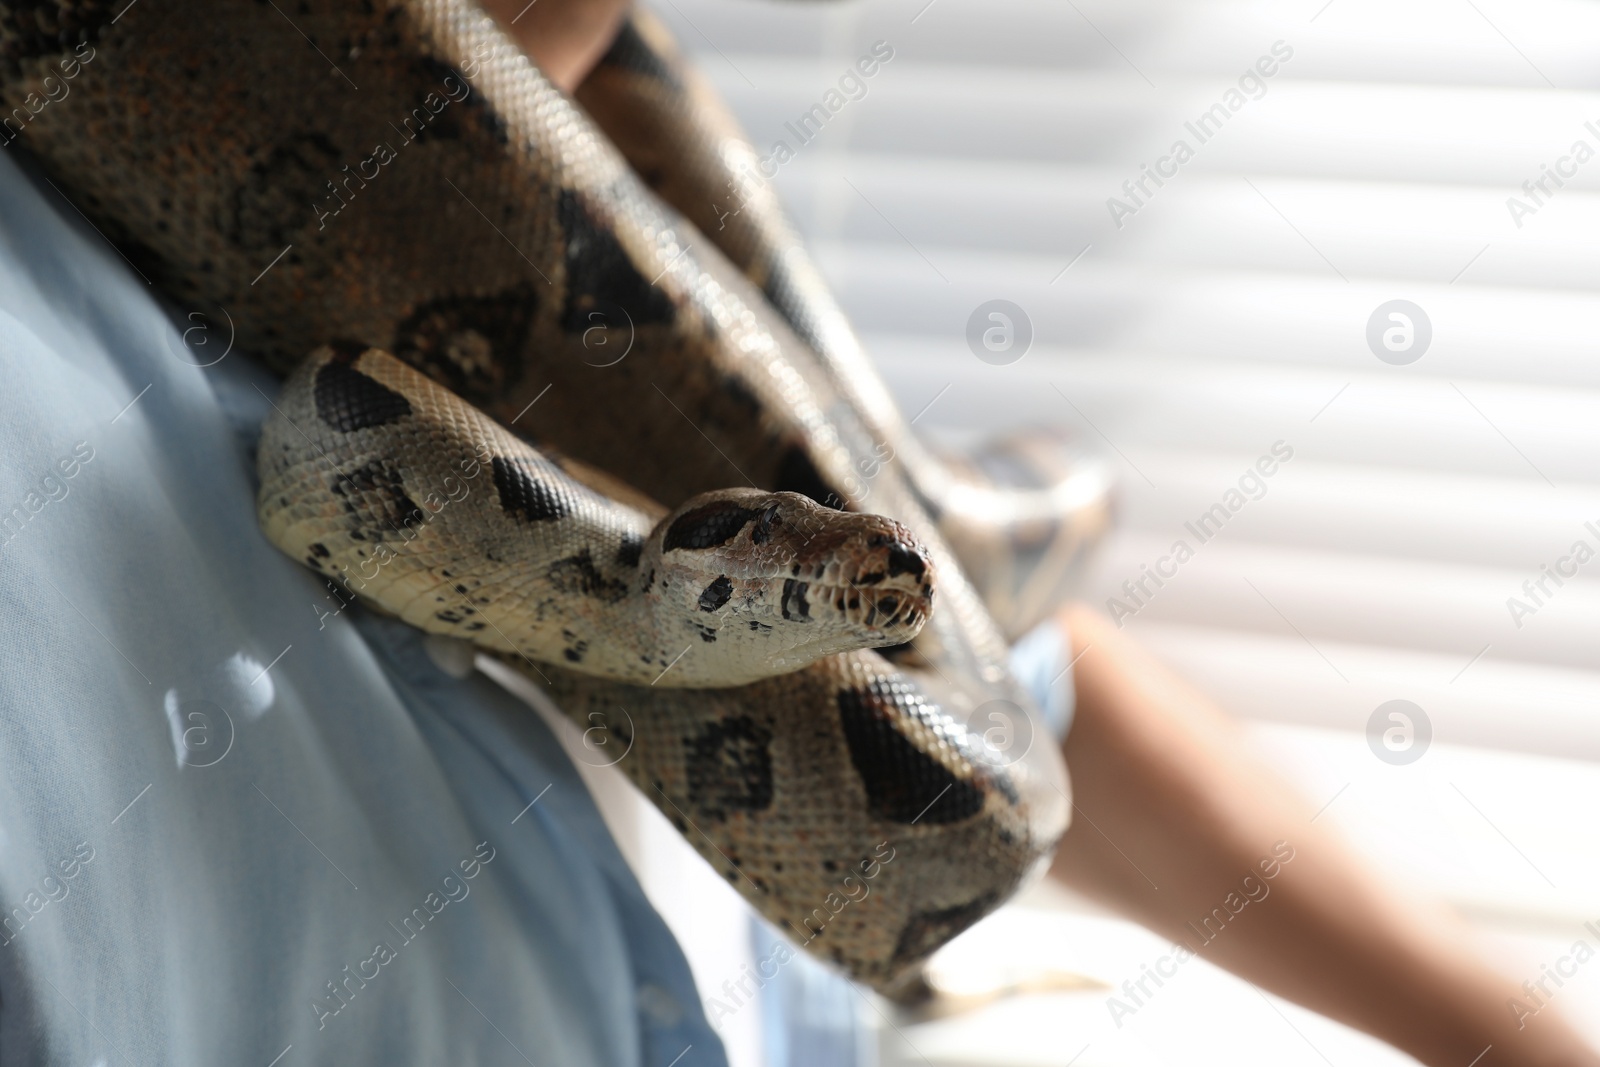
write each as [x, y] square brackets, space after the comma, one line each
[1164, 774]
[564, 38]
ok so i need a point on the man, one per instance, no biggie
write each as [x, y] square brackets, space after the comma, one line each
[1167, 782]
[244, 823]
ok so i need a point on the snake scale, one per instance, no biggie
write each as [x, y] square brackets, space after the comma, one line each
[694, 539]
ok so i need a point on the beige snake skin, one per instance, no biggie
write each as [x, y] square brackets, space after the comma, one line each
[355, 179]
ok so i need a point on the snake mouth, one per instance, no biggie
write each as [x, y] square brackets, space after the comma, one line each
[833, 580]
[888, 595]
[896, 612]
[886, 589]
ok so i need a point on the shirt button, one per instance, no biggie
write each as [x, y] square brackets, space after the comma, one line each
[456, 656]
[659, 1006]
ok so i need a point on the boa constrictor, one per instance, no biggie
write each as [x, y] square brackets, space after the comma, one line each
[393, 206]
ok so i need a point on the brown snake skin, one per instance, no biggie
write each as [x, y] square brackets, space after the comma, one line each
[1020, 513]
[355, 179]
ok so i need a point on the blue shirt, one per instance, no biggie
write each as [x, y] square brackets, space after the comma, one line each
[236, 827]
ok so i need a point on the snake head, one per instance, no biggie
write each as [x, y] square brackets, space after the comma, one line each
[783, 581]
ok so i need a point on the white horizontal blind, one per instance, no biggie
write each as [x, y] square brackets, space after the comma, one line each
[1230, 312]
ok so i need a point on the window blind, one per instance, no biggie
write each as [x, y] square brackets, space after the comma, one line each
[1422, 543]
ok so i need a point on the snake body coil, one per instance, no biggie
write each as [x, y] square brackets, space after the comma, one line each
[398, 210]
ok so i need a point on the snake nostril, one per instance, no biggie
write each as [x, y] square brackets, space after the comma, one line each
[903, 560]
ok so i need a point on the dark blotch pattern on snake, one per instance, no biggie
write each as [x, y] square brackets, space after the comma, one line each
[427, 257]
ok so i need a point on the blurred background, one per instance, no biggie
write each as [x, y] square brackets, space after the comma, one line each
[1242, 303]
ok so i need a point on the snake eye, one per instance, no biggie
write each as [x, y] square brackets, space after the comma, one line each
[763, 531]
